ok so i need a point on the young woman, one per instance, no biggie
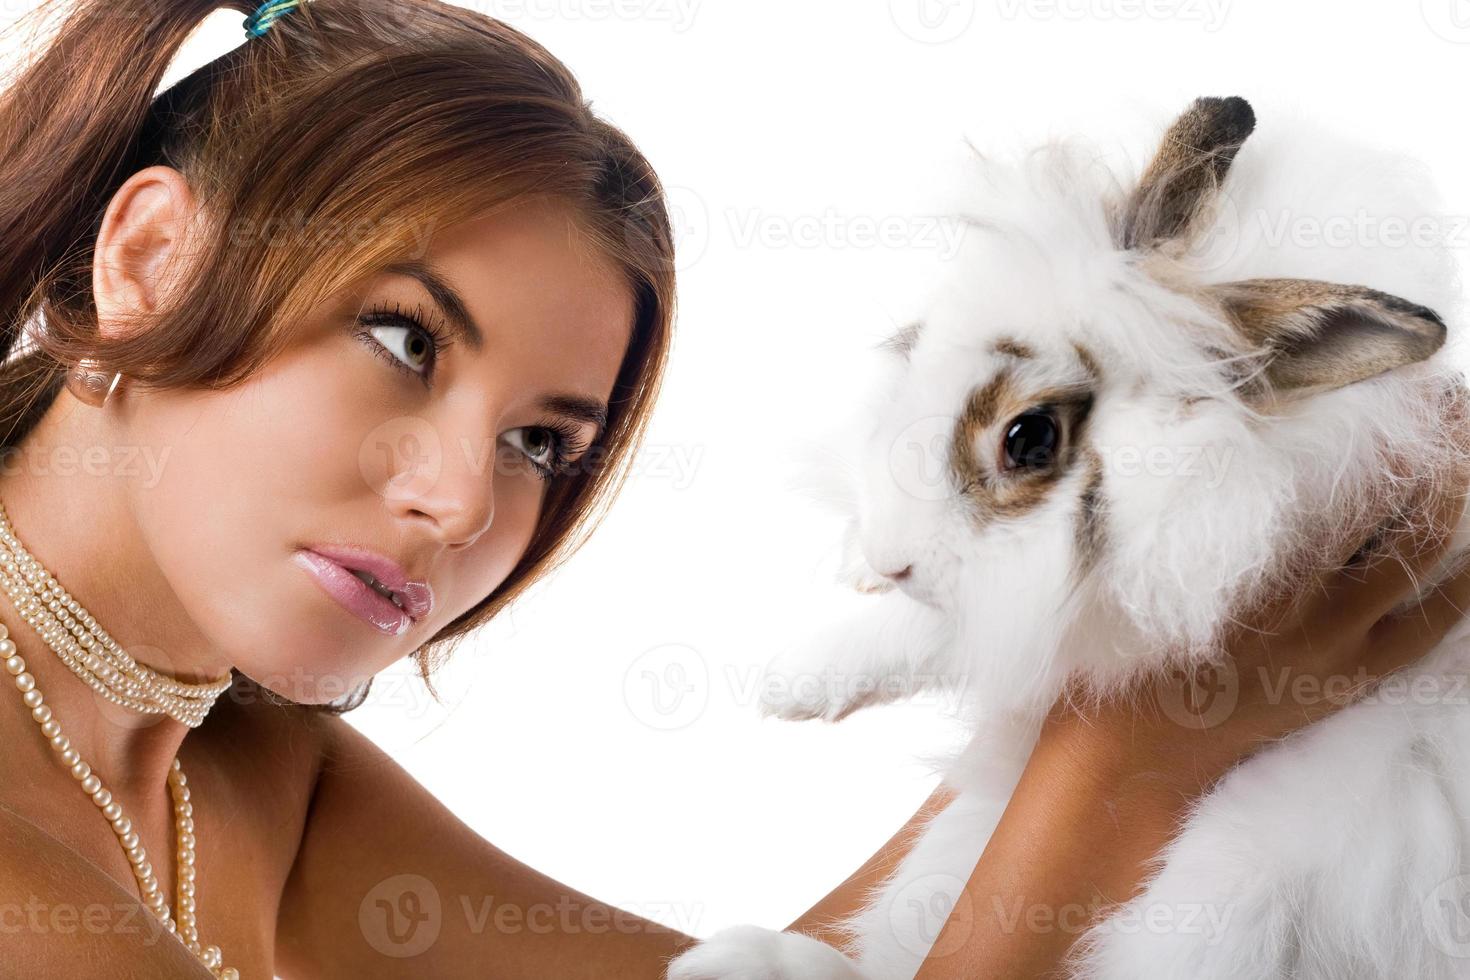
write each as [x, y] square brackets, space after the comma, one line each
[318, 359]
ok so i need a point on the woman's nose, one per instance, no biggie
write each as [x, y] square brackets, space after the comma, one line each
[457, 502]
[458, 518]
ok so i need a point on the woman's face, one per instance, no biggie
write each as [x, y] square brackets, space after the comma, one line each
[361, 435]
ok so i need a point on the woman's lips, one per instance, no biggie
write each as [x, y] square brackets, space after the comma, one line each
[353, 594]
[413, 595]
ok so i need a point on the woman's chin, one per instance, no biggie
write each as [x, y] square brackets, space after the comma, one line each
[311, 670]
[304, 686]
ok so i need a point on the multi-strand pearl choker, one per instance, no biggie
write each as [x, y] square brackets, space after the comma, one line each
[95, 657]
[87, 649]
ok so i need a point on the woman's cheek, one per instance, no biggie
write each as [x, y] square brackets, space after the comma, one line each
[489, 561]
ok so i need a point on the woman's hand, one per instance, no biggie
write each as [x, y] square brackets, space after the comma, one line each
[1108, 784]
[1314, 652]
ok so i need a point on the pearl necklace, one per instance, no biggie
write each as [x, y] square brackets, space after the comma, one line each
[182, 922]
[87, 649]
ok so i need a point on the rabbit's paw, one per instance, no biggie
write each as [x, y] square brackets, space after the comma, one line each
[885, 647]
[804, 683]
[829, 676]
[753, 953]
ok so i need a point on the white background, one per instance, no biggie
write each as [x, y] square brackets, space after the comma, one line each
[603, 730]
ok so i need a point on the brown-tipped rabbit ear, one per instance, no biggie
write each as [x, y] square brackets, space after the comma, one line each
[1324, 335]
[1189, 166]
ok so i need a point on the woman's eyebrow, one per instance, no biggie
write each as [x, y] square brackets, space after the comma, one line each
[446, 296]
[579, 408]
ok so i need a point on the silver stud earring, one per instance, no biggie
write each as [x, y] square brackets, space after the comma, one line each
[90, 384]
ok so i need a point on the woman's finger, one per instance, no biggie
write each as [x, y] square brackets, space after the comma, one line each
[1357, 596]
[1402, 637]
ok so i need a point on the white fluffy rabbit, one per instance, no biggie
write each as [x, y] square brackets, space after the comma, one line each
[1134, 406]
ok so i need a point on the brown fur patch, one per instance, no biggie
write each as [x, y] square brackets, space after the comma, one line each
[996, 494]
[1089, 363]
[1090, 535]
[1012, 347]
[903, 340]
[980, 412]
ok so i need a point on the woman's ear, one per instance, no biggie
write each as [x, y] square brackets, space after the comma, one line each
[143, 235]
[1324, 335]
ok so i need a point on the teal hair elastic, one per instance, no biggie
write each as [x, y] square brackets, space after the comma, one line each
[265, 15]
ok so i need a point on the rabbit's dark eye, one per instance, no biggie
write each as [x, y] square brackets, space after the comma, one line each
[1031, 440]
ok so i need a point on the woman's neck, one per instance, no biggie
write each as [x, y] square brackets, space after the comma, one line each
[75, 519]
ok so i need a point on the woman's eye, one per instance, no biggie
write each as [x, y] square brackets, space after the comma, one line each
[1030, 441]
[409, 344]
[407, 339]
[536, 443]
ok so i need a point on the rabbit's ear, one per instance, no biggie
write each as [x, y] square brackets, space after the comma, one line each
[1189, 166]
[1324, 335]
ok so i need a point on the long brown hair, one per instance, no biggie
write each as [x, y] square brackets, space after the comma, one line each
[320, 150]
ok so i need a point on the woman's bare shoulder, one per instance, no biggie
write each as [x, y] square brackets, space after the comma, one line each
[98, 923]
